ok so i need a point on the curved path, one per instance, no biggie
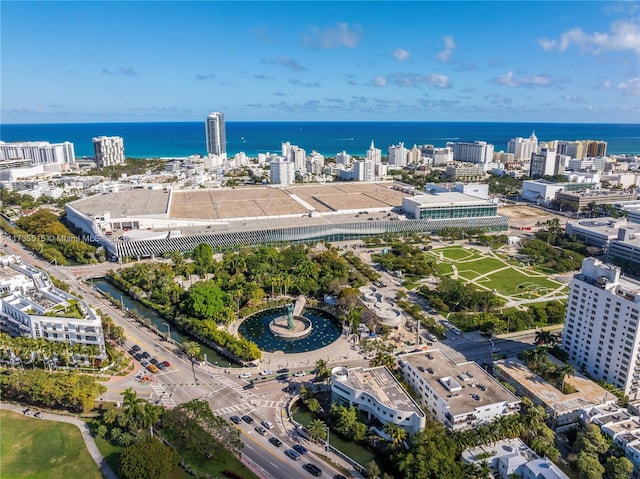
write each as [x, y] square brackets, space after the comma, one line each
[97, 457]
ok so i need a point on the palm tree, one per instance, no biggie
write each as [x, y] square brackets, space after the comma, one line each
[132, 406]
[192, 349]
[322, 370]
[6, 343]
[317, 430]
[397, 433]
[150, 415]
[92, 351]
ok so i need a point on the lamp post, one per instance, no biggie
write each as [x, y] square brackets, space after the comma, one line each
[168, 332]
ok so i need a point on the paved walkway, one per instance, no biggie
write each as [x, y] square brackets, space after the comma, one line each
[97, 457]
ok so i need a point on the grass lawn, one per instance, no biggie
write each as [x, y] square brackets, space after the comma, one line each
[514, 283]
[456, 253]
[444, 268]
[36, 448]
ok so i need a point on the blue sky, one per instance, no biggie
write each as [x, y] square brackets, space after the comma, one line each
[564, 62]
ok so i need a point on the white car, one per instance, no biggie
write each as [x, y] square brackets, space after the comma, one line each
[266, 372]
[267, 424]
[298, 374]
[245, 376]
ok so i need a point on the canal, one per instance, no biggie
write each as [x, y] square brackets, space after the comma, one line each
[213, 357]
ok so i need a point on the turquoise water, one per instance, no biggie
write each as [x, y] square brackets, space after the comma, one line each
[152, 140]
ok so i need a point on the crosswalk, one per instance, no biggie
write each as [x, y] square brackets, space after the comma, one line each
[163, 396]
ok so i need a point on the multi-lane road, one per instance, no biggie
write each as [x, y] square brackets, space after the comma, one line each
[224, 390]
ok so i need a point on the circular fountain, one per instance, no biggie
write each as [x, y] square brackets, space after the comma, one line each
[290, 326]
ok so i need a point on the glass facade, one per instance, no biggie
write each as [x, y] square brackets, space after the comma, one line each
[460, 211]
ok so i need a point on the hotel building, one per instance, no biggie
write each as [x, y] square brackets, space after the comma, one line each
[32, 306]
[601, 326]
[459, 395]
[38, 152]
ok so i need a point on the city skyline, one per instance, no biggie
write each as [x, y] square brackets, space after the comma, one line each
[321, 61]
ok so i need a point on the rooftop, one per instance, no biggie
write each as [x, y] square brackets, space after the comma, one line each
[466, 386]
[382, 385]
[587, 392]
[448, 198]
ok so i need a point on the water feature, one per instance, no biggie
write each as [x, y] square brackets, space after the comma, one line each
[256, 328]
[213, 357]
[358, 452]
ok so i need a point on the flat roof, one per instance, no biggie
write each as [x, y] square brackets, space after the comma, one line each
[381, 384]
[469, 375]
[245, 202]
[604, 226]
[446, 199]
[120, 204]
[587, 392]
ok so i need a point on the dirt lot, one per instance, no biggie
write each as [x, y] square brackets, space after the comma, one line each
[527, 216]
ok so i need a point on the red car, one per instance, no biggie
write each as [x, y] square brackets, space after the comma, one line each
[166, 363]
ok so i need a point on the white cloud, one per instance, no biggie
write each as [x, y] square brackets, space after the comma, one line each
[449, 46]
[340, 36]
[510, 80]
[573, 99]
[411, 80]
[630, 87]
[622, 36]
[401, 54]
[289, 63]
[379, 81]
[605, 85]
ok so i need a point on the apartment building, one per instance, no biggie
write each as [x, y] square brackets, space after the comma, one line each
[108, 150]
[30, 305]
[601, 325]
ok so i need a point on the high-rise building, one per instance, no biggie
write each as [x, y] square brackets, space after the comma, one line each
[282, 172]
[343, 158]
[39, 152]
[544, 164]
[216, 134]
[602, 327]
[108, 150]
[398, 155]
[364, 170]
[523, 148]
[476, 152]
[374, 154]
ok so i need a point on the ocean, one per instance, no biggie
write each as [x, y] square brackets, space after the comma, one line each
[153, 140]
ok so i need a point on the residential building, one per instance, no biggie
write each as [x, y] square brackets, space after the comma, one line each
[523, 148]
[459, 395]
[343, 158]
[564, 409]
[282, 172]
[601, 326]
[378, 393]
[477, 152]
[439, 156]
[513, 458]
[545, 163]
[108, 150]
[364, 170]
[464, 171]
[374, 154]
[398, 155]
[39, 152]
[414, 155]
[32, 306]
[216, 134]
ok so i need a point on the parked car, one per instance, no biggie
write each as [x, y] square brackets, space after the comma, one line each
[267, 424]
[283, 370]
[166, 364]
[152, 368]
[245, 376]
[495, 350]
[290, 453]
[136, 348]
[235, 419]
[282, 377]
[260, 430]
[154, 361]
[339, 476]
[161, 366]
[138, 356]
[300, 449]
[299, 374]
[275, 441]
[248, 419]
[27, 412]
[145, 355]
[312, 469]
[266, 372]
[250, 385]
[38, 415]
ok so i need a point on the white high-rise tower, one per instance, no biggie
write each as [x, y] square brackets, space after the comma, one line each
[216, 134]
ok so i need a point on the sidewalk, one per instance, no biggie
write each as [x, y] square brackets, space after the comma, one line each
[96, 455]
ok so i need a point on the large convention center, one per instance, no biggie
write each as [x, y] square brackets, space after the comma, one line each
[150, 220]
